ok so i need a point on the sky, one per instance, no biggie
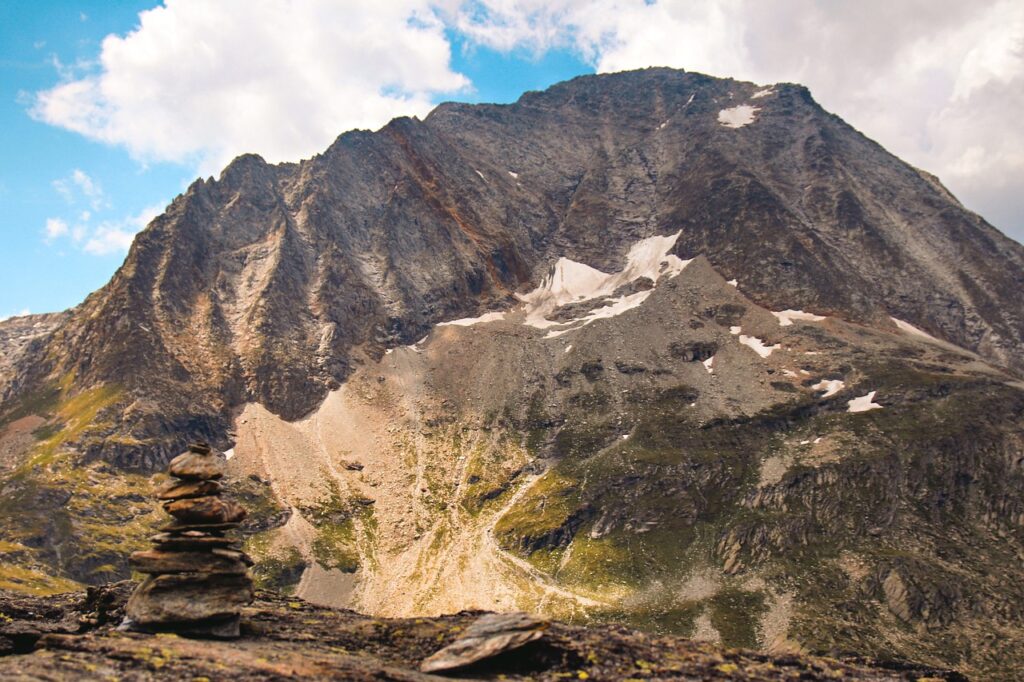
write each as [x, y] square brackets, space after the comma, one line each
[109, 110]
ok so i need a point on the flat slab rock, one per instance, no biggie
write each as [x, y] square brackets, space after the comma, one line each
[285, 638]
[191, 540]
[181, 490]
[205, 510]
[488, 637]
[216, 560]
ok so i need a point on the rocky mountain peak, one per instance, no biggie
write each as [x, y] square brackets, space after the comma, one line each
[656, 346]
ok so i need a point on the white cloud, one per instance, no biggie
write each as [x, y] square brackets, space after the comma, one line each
[55, 227]
[108, 237]
[938, 82]
[202, 82]
[117, 236]
[79, 185]
[22, 313]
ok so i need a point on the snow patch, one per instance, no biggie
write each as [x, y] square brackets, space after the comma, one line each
[709, 364]
[757, 345]
[513, 174]
[864, 403]
[664, 123]
[470, 321]
[786, 317]
[762, 93]
[735, 330]
[737, 117]
[830, 386]
[229, 453]
[733, 283]
[416, 346]
[480, 174]
[908, 328]
[568, 348]
[570, 282]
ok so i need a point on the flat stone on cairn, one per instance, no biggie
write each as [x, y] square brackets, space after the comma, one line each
[197, 580]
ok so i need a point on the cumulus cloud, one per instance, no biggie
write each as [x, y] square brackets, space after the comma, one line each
[22, 313]
[107, 237]
[201, 82]
[54, 228]
[79, 186]
[116, 236]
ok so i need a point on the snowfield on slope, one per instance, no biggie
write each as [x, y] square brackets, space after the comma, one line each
[737, 117]
[758, 346]
[786, 317]
[829, 386]
[572, 282]
[864, 403]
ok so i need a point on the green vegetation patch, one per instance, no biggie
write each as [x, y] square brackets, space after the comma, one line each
[334, 517]
[23, 580]
[334, 546]
[735, 614]
[544, 509]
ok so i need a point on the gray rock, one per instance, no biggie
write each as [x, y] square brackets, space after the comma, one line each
[188, 597]
[203, 510]
[487, 637]
[214, 561]
[180, 490]
[194, 466]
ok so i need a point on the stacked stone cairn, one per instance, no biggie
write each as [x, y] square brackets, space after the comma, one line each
[196, 576]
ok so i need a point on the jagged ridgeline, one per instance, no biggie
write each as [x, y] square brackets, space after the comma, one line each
[651, 347]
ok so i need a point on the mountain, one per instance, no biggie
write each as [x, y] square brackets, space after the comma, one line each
[653, 347]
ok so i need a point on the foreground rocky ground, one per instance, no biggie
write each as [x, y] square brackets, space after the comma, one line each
[74, 636]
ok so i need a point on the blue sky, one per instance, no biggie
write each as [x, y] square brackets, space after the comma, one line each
[106, 114]
[35, 275]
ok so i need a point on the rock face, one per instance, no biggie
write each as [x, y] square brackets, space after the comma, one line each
[271, 283]
[72, 637]
[197, 581]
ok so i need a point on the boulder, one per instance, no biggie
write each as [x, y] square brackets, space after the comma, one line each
[489, 636]
[196, 466]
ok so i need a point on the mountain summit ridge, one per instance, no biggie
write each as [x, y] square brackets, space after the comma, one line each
[603, 160]
[650, 347]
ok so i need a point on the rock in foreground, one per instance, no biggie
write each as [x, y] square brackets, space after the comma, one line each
[74, 637]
